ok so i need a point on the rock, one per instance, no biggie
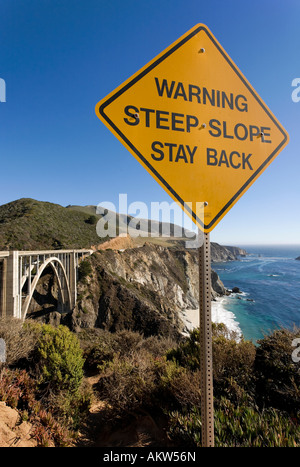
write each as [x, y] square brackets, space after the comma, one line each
[12, 434]
[236, 251]
[8, 415]
[218, 288]
[298, 258]
[6, 435]
[236, 290]
[23, 434]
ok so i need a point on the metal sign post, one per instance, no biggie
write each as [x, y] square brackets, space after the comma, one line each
[206, 363]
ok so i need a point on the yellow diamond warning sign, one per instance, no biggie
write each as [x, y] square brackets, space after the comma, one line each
[192, 119]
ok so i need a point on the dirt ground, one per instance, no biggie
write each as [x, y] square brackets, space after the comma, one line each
[14, 432]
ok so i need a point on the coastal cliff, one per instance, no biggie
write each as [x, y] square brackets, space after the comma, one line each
[220, 253]
[144, 289]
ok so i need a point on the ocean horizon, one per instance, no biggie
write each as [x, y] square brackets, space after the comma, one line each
[269, 281]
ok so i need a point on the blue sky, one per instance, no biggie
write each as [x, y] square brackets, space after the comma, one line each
[59, 58]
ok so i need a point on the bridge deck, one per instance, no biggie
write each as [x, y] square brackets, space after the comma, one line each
[47, 252]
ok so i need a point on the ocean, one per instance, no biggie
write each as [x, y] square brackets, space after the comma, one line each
[269, 281]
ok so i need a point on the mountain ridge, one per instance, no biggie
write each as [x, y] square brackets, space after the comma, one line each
[29, 224]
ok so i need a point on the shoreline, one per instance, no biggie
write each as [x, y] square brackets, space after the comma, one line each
[219, 314]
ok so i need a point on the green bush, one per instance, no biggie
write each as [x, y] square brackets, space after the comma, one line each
[187, 354]
[70, 407]
[99, 354]
[84, 270]
[278, 377]
[60, 361]
[233, 370]
[233, 362]
[176, 387]
[91, 220]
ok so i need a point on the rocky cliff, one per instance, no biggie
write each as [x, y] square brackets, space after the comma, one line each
[144, 289]
[221, 253]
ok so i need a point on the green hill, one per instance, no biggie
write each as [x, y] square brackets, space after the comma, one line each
[27, 224]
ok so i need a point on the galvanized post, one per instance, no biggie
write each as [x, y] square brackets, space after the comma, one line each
[206, 365]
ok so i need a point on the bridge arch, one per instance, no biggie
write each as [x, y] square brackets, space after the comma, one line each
[49, 262]
[18, 282]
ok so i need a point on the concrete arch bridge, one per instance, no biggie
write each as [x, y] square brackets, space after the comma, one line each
[20, 272]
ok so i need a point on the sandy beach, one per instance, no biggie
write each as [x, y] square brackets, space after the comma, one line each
[219, 315]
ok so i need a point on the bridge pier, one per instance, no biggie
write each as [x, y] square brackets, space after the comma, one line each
[13, 295]
[73, 278]
[3, 272]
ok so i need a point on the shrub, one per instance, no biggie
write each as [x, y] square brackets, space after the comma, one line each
[18, 390]
[91, 220]
[127, 341]
[233, 362]
[187, 354]
[60, 359]
[127, 384]
[158, 346]
[84, 270]
[20, 339]
[278, 377]
[98, 357]
[137, 380]
[71, 407]
[100, 346]
[176, 387]
[233, 369]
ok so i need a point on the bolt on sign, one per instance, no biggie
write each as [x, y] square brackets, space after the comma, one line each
[195, 123]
